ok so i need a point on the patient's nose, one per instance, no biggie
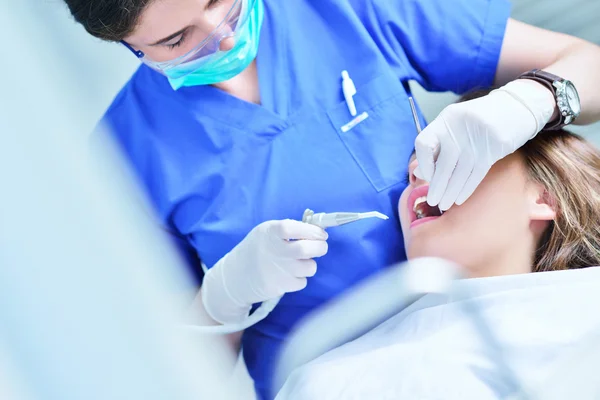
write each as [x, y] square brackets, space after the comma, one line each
[414, 181]
[227, 43]
[418, 182]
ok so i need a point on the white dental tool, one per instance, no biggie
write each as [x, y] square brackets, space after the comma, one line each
[349, 91]
[328, 220]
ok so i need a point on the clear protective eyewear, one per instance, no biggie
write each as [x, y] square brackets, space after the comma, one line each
[227, 28]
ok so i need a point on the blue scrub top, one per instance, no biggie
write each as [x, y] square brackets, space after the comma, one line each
[216, 166]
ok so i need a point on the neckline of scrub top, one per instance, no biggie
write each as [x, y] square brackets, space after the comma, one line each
[244, 114]
[230, 110]
[271, 51]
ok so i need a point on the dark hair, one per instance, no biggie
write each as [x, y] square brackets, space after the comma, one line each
[110, 20]
[568, 167]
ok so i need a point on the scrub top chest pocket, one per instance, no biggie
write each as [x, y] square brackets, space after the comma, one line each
[381, 136]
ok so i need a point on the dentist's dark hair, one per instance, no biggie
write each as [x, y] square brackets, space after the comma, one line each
[568, 167]
[110, 20]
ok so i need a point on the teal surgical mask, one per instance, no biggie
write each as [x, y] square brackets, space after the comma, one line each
[223, 65]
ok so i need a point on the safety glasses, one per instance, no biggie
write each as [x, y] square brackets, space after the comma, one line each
[227, 28]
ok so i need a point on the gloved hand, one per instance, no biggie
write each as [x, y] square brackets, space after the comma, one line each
[275, 258]
[458, 148]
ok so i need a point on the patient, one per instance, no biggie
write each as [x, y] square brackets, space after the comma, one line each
[537, 210]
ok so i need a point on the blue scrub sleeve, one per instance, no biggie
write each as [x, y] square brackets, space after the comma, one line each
[445, 45]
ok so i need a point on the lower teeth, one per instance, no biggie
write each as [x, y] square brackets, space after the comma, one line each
[420, 214]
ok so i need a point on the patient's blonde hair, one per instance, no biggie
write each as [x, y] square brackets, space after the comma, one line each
[568, 167]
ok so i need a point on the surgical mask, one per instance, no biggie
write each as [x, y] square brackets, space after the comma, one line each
[223, 65]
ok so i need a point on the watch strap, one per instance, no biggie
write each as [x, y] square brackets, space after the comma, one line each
[547, 79]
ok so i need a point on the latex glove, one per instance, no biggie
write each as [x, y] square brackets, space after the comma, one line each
[459, 147]
[275, 258]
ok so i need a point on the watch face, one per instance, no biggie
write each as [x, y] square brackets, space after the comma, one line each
[573, 98]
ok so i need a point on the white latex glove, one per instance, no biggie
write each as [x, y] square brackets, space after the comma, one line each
[275, 258]
[458, 148]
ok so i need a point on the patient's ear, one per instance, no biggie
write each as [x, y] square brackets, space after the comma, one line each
[542, 206]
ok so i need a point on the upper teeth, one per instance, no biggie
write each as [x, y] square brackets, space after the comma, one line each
[420, 200]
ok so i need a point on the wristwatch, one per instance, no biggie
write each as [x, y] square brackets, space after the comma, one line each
[567, 98]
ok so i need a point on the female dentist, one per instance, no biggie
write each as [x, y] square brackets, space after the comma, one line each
[241, 117]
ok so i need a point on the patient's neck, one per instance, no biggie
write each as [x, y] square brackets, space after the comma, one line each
[518, 259]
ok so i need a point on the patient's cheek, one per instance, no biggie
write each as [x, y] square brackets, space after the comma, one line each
[402, 205]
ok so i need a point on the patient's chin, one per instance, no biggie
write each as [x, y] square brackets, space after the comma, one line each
[429, 248]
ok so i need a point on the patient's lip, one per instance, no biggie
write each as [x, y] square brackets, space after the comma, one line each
[421, 221]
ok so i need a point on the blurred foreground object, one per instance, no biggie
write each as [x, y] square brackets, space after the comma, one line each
[362, 309]
[526, 336]
[89, 289]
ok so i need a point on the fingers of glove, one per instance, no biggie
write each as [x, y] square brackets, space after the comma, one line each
[457, 181]
[289, 229]
[477, 175]
[444, 168]
[303, 268]
[418, 174]
[427, 145]
[305, 249]
[275, 280]
[296, 284]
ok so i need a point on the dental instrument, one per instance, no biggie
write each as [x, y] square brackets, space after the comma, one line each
[328, 220]
[323, 220]
[413, 108]
[349, 91]
[414, 114]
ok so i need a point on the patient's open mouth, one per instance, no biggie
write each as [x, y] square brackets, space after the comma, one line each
[420, 211]
[424, 210]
